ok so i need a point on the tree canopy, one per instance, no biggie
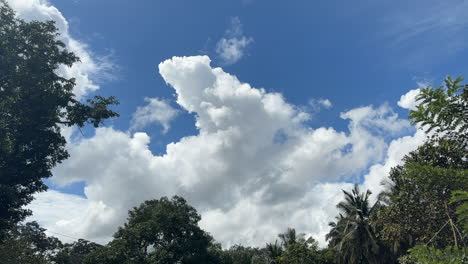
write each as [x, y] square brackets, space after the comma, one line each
[35, 102]
[158, 231]
[445, 110]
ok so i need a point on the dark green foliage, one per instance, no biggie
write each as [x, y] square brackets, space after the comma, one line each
[460, 198]
[444, 110]
[430, 255]
[298, 250]
[158, 231]
[352, 236]
[238, 254]
[34, 102]
[297, 253]
[289, 237]
[417, 202]
[28, 244]
[274, 251]
[75, 253]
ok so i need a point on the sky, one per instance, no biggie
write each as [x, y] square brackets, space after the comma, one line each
[259, 113]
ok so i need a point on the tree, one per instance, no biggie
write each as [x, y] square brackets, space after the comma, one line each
[158, 231]
[35, 101]
[430, 255]
[352, 236]
[239, 254]
[417, 208]
[289, 237]
[274, 251]
[76, 252]
[299, 251]
[28, 244]
[444, 110]
[461, 198]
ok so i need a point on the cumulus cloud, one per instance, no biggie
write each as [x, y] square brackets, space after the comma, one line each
[408, 100]
[381, 120]
[84, 71]
[156, 111]
[247, 185]
[231, 48]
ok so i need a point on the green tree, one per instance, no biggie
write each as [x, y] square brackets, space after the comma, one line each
[289, 237]
[239, 254]
[274, 251]
[444, 110]
[430, 255]
[417, 208]
[76, 252]
[158, 231]
[34, 102]
[299, 251]
[461, 198]
[352, 236]
[28, 244]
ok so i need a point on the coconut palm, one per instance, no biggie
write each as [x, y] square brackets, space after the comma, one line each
[274, 251]
[352, 235]
[289, 237]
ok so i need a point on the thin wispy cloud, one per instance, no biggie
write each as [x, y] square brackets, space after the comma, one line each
[231, 48]
[426, 31]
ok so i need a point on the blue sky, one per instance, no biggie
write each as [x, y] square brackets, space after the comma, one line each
[333, 73]
[354, 54]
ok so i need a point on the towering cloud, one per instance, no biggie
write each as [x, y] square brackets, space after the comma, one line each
[253, 169]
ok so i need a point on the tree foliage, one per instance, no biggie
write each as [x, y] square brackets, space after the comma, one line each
[444, 110]
[158, 231]
[28, 244]
[76, 252]
[418, 205]
[35, 101]
[430, 255]
[460, 198]
[353, 236]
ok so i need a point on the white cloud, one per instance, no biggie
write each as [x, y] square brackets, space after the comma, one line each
[382, 119]
[408, 100]
[397, 149]
[83, 71]
[156, 111]
[247, 185]
[317, 104]
[231, 48]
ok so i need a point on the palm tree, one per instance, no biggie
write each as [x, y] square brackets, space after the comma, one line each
[289, 237]
[352, 235]
[274, 251]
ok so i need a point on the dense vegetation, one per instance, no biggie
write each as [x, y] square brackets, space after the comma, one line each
[421, 217]
[34, 103]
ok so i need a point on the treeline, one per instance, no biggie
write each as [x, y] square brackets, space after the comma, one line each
[421, 217]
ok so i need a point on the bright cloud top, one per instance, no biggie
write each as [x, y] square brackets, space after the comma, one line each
[156, 111]
[231, 48]
[247, 185]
